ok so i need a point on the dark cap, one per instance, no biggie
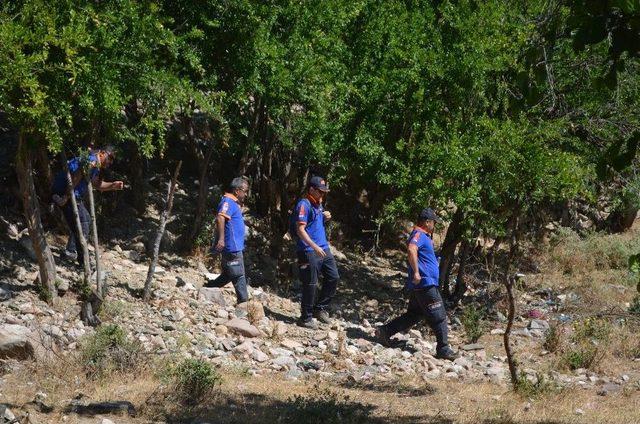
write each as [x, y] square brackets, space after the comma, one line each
[429, 214]
[318, 183]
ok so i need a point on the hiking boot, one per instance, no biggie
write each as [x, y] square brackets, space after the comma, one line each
[447, 353]
[311, 324]
[322, 316]
[382, 336]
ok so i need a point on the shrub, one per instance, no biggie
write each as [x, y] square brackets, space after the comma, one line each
[583, 355]
[552, 339]
[195, 379]
[591, 329]
[472, 323]
[326, 407]
[109, 349]
[539, 387]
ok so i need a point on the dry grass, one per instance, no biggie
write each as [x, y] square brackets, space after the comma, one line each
[594, 268]
[244, 399]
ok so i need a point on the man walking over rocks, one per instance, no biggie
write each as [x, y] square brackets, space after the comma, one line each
[314, 255]
[98, 161]
[422, 283]
[230, 239]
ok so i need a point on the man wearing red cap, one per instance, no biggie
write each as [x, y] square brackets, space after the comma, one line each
[314, 255]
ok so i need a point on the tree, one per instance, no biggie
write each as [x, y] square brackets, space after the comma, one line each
[70, 70]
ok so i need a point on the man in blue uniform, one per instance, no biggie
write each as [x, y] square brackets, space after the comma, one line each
[230, 242]
[422, 283]
[98, 160]
[314, 255]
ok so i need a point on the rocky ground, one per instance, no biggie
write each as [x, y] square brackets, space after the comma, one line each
[261, 338]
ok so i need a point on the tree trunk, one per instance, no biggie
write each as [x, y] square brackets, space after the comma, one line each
[508, 283]
[448, 251]
[45, 178]
[139, 184]
[461, 286]
[94, 229]
[46, 263]
[202, 195]
[91, 301]
[164, 218]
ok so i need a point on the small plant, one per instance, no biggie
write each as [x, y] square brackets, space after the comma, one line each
[342, 343]
[324, 406]
[472, 322]
[275, 333]
[113, 309]
[552, 339]
[537, 388]
[255, 312]
[195, 379]
[583, 355]
[591, 329]
[109, 349]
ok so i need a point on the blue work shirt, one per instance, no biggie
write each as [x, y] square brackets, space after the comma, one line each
[427, 261]
[234, 228]
[309, 212]
[75, 166]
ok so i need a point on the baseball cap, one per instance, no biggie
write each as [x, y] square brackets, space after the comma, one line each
[318, 183]
[429, 214]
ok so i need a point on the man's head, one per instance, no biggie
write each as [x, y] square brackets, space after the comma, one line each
[240, 188]
[106, 155]
[318, 187]
[428, 219]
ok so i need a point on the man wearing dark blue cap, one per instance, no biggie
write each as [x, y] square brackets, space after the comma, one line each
[314, 255]
[422, 283]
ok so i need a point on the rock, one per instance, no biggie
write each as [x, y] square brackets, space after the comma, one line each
[167, 326]
[5, 294]
[608, 389]
[285, 361]
[242, 326]
[244, 347]
[106, 421]
[291, 344]
[139, 247]
[221, 330]
[539, 324]
[472, 346]
[337, 254]
[320, 336]
[579, 411]
[222, 313]
[63, 286]
[212, 294]
[16, 342]
[5, 414]
[178, 315]
[259, 356]
[497, 331]
[464, 363]
[181, 282]
[494, 371]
